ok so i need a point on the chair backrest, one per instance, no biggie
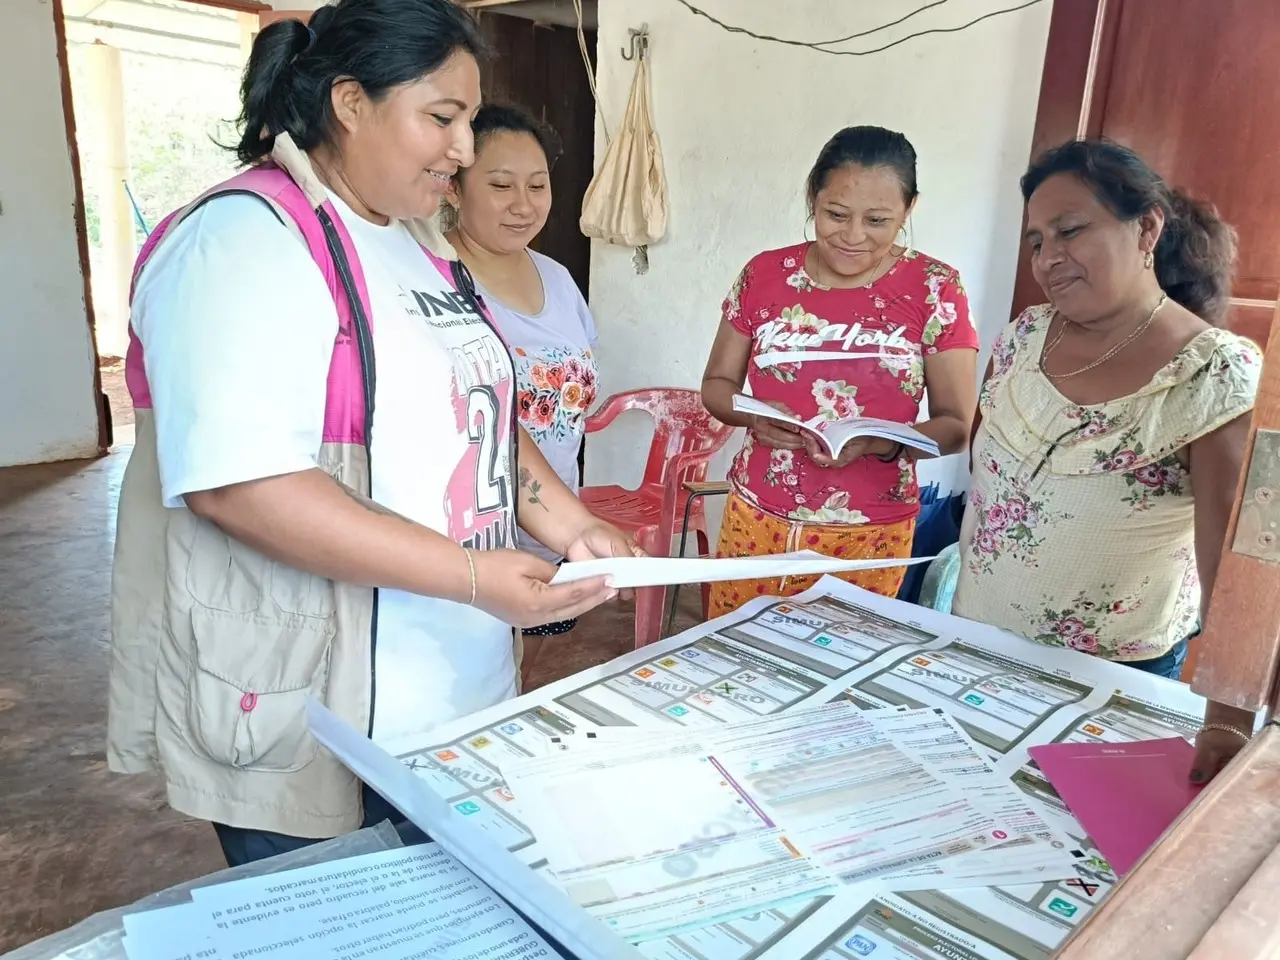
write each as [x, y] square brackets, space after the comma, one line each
[681, 424]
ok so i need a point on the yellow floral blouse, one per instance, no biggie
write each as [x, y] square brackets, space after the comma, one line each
[1080, 527]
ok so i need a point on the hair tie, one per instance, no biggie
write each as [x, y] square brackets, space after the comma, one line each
[311, 42]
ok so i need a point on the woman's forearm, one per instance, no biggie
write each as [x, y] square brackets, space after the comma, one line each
[311, 522]
[717, 397]
[549, 511]
[949, 432]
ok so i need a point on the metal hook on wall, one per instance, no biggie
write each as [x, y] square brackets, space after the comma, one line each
[639, 43]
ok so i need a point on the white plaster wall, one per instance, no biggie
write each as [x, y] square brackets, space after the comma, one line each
[741, 122]
[47, 409]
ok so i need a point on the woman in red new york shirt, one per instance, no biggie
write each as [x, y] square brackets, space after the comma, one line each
[850, 325]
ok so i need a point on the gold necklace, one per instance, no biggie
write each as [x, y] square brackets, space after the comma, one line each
[1138, 331]
[872, 277]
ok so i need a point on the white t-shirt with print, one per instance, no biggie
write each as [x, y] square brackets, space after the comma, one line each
[557, 379]
[238, 327]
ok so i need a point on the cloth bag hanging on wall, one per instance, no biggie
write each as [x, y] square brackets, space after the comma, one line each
[626, 202]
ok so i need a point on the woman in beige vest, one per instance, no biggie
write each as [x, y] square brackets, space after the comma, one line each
[322, 499]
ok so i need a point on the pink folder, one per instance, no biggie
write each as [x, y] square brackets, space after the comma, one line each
[1125, 795]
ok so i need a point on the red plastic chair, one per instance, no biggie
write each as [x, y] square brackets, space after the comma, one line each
[685, 438]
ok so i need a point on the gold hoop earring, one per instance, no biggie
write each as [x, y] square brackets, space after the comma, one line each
[1149, 260]
[903, 239]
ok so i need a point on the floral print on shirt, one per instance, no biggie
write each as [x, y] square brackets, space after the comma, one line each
[1010, 525]
[836, 399]
[1080, 528]
[557, 388]
[942, 312]
[1078, 624]
[844, 352]
[1164, 478]
[835, 509]
[782, 467]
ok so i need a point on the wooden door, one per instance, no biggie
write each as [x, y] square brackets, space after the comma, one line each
[539, 67]
[1191, 85]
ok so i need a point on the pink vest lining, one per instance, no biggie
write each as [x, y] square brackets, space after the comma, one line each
[344, 419]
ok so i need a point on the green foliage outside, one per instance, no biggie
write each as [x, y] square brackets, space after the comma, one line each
[176, 114]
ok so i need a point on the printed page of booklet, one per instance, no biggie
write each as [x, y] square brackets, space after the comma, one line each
[835, 434]
[408, 902]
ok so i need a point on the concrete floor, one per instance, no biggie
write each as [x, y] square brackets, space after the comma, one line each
[74, 839]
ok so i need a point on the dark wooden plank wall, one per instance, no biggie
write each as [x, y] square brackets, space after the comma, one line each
[540, 68]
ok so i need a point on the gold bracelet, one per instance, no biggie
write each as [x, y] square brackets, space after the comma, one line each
[1227, 728]
[471, 566]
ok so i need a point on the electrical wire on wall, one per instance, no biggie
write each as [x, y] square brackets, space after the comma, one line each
[820, 46]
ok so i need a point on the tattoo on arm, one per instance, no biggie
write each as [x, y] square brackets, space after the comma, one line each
[534, 488]
[370, 505]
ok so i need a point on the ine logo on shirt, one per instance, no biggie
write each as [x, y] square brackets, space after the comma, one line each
[444, 308]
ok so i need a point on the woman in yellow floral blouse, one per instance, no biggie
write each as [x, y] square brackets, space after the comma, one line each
[1113, 425]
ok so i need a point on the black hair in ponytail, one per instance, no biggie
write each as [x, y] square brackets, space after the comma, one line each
[1195, 257]
[380, 44]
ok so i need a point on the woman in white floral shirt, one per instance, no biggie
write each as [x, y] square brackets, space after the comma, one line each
[1113, 424]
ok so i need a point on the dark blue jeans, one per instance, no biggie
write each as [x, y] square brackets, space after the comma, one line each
[1169, 665]
[241, 846]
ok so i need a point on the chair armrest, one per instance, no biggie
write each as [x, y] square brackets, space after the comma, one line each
[607, 412]
[706, 488]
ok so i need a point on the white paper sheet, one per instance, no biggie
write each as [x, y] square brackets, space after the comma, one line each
[181, 932]
[542, 903]
[410, 902]
[749, 816]
[395, 904]
[627, 572]
[849, 793]
[1034, 853]
[648, 835]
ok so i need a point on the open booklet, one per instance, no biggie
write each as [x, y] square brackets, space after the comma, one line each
[836, 434]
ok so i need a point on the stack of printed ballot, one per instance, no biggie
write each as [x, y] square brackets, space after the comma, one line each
[409, 902]
[654, 833]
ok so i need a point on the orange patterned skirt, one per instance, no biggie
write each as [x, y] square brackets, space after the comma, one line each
[747, 531]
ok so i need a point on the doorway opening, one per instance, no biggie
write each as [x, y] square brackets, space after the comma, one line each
[154, 90]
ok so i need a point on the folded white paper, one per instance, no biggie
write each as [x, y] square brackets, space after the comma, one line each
[627, 572]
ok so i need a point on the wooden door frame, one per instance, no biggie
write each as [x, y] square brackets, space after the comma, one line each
[1073, 97]
[240, 6]
[81, 222]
